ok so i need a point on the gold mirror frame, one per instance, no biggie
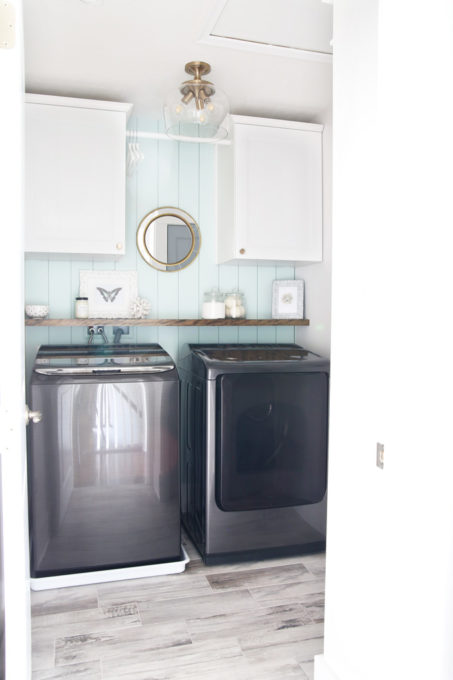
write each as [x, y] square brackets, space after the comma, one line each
[146, 223]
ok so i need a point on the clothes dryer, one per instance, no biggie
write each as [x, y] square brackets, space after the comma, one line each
[253, 449]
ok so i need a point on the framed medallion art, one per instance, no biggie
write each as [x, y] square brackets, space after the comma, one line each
[288, 299]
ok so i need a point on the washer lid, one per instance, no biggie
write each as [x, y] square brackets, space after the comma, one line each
[97, 359]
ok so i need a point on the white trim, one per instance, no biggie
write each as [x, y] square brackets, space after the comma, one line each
[50, 100]
[322, 670]
[106, 575]
[276, 122]
[207, 38]
[17, 631]
[269, 50]
[212, 20]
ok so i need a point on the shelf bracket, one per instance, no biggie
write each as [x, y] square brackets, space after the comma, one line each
[7, 25]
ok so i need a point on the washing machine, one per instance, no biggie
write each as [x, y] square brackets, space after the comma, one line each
[103, 463]
[253, 449]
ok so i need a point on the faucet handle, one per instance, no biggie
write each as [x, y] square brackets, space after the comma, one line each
[96, 330]
[100, 331]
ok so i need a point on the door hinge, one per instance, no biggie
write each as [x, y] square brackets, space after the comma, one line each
[7, 25]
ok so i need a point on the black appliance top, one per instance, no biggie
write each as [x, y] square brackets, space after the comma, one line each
[251, 352]
[210, 360]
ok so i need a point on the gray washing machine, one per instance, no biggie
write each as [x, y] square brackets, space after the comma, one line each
[253, 450]
[103, 461]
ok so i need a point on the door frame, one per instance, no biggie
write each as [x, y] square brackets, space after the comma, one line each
[12, 392]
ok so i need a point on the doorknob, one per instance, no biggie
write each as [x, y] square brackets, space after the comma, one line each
[33, 416]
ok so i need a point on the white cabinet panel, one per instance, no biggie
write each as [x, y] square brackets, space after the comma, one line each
[270, 192]
[75, 176]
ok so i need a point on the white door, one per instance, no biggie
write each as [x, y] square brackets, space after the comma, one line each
[12, 424]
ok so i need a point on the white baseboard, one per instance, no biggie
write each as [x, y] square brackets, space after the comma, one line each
[89, 577]
[322, 670]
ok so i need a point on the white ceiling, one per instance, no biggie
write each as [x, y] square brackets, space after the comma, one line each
[135, 51]
[310, 26]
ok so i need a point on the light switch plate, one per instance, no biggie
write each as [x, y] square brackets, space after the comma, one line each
[380, 455]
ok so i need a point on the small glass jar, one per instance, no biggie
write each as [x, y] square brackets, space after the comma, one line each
[81, 308]
[234, 305]
[213, 305]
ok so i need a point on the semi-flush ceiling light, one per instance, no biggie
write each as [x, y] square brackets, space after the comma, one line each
[196, 108]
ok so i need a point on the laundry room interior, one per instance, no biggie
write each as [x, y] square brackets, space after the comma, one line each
[201, 488]
[262, 154]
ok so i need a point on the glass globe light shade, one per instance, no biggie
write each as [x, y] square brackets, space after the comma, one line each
[202, 117]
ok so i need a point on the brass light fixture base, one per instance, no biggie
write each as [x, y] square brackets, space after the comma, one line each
[198, 69]
[197, 88]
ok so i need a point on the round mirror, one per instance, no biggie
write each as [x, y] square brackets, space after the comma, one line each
[168, 239]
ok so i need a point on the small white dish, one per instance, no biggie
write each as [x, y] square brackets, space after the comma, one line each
[36, 311]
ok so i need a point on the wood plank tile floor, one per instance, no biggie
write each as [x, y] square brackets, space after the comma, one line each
[248, 621]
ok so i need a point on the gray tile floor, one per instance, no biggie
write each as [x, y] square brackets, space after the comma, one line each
[249, 621]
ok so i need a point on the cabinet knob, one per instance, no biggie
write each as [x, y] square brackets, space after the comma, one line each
[119, 246]
[242, 251]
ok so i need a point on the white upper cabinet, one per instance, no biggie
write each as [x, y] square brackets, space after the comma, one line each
[75, 177]
[269, 200]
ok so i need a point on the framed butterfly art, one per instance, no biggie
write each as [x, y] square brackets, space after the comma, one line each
[110, 293]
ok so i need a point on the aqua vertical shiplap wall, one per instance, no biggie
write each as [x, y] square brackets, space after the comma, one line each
[172, 174]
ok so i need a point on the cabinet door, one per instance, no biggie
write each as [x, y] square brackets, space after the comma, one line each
[278, 186]
[75, 180]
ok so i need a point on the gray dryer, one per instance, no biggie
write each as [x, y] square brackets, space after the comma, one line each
[253, 449]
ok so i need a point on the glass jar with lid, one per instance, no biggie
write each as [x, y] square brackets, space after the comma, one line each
[234, 305]
[213, 305]
[81, 308]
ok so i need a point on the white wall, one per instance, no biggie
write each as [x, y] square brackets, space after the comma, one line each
[389, 589]
[317, 277]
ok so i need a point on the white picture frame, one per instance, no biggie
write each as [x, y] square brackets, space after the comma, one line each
[110, 293]
[288, 299]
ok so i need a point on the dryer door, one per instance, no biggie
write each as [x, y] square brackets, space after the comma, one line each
[271, 440]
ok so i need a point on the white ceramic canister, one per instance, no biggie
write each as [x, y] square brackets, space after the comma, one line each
[213, 305]
[81, 308]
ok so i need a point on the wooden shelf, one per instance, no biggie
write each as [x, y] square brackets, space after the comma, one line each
[167, 322]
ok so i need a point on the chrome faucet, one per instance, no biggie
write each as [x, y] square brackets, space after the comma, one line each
[118, 331]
